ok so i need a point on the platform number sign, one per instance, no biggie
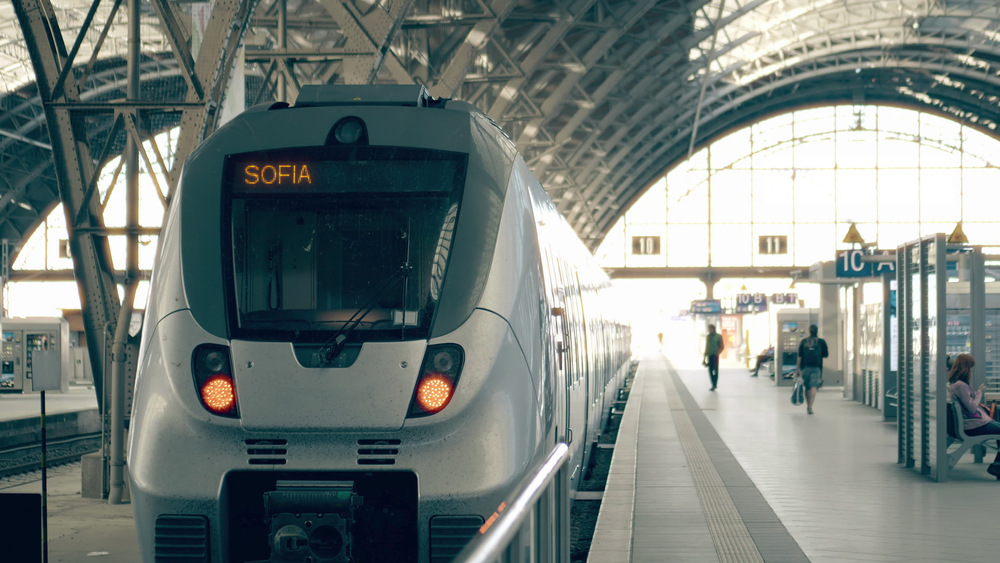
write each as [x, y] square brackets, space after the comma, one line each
[850, 264]
[646, 245]
[772, 244]
[751, 303]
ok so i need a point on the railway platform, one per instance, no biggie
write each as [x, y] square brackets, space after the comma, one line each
[17, 406]
[741, 474]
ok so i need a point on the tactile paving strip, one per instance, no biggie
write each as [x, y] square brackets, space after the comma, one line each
[732, 539]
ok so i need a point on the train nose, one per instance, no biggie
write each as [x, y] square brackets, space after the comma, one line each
[371, 394]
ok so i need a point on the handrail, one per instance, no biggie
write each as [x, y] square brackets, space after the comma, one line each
[533, 524]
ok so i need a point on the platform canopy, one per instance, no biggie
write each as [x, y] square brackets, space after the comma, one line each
[602, 97]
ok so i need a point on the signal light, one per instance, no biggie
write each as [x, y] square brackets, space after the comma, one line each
[218, 394]
[438, 378]
[434, 392]
[214, 381]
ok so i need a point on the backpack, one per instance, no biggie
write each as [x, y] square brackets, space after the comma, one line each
[812, 352]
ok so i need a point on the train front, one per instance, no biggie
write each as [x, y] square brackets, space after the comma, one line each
[316, 382]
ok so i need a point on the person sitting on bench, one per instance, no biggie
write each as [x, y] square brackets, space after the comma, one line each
[977, 421]
[762, 358]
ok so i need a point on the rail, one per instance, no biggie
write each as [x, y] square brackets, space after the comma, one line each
[532, 525]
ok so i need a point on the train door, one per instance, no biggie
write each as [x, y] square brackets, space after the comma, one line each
[577, 366]
[556, 321]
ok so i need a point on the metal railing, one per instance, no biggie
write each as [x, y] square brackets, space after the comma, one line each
[532, 525]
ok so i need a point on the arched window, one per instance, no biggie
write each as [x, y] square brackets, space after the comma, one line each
[784, 191]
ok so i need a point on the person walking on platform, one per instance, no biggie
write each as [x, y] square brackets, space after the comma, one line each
[809, 366]
[977, 421]
[713, 347]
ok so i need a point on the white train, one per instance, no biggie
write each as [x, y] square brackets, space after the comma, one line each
[366, 322]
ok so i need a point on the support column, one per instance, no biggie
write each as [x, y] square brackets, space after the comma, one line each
[709, 280]
[857, 390]
[977, 303]
[280, 90]
[119, 350]
[830, 329]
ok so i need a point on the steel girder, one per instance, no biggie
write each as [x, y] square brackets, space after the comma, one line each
[77, 163]
[26, 156]
[601, 96]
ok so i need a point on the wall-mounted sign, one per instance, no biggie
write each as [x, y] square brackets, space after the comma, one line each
[772, 244]
[785, 299]
[646, 245]
[849, 264]
[751, 303]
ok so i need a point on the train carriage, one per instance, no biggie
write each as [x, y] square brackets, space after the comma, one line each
[366, 322]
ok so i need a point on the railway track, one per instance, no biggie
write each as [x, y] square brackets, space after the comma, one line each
[28, 457]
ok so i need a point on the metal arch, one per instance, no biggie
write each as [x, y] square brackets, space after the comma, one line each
[955, 43]
[629, 193]
[668, 92]
[635, 154]
[957, 70]
[823, 95]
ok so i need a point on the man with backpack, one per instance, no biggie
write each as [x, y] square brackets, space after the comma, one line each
[809, 366]
[713, 347]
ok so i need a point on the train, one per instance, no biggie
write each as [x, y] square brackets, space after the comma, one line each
[367, 321]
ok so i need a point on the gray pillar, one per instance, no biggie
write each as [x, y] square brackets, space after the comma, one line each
[280, 91]
[859, 296]
[830, 329]
[709, 280]
[977, 302]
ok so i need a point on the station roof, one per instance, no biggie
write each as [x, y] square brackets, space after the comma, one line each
[601, 97]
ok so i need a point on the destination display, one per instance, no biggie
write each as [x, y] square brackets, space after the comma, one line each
[706, 307]
[366, 169]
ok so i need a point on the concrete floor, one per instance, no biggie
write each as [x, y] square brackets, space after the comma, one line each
[81, 530]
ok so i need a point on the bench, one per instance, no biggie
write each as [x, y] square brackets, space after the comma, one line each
[956, 434]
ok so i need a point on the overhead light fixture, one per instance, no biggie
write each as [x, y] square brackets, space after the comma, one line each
[744, 288]
[792, 286]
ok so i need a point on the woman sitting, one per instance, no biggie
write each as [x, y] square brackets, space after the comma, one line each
[977, 421]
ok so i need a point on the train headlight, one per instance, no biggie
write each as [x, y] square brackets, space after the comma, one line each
[438, 378]
[213, 379]
[348, 131]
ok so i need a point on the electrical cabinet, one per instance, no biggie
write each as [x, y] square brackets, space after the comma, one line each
[21, 339]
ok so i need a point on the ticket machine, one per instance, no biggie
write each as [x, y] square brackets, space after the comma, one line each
[793, 326]
[21, 340]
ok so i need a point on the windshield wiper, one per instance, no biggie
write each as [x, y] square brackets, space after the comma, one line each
[335, 345]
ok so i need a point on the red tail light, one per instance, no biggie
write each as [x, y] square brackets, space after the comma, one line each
[218, 394]
[213, 379]
[434, 392]
[438, 378]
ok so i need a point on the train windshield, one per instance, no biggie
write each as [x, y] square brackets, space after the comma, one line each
[320, 235]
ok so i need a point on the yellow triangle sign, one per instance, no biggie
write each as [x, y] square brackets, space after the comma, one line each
[853, 236]
[958, 235]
